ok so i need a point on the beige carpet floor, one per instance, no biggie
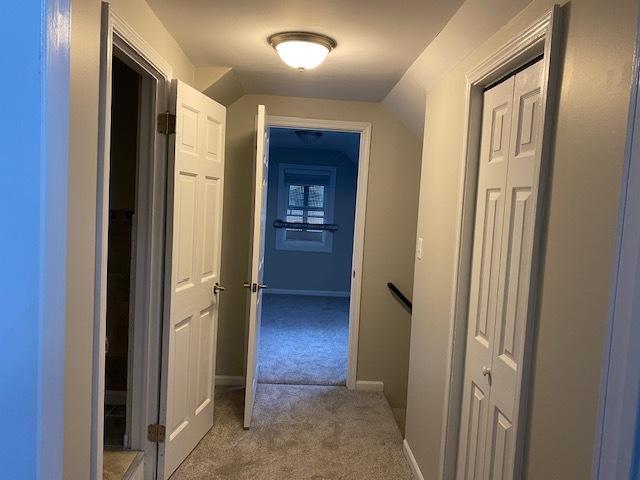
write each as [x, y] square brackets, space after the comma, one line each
[300, 433]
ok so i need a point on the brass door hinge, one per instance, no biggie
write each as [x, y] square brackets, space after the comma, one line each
[166, 123]
[156, 433]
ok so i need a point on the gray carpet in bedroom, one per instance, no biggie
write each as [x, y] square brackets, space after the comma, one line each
[300, 432]
[303, 340]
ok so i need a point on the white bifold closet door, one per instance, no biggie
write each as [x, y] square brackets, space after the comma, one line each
[500, 277]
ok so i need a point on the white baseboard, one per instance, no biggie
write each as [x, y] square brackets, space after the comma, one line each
[311, 293]
[369, 386]
[415, 469]
[229, 381]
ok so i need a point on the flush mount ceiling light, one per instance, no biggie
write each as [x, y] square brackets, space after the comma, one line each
[308, 136]
[302, 50]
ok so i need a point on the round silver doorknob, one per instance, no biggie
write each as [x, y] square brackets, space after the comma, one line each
[486, 371]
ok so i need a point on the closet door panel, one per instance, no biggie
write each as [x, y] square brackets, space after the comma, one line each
[514, 274]
[490, 204]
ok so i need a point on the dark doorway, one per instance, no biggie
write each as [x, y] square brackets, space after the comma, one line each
[121, 241]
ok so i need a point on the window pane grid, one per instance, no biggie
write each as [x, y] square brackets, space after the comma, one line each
[306, 204]
[306, 196]
[296, 196]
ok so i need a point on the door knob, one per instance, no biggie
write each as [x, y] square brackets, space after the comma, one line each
[218, 288]
[486, 371]
[255, 286]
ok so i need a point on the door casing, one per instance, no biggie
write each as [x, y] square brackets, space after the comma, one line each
[540, 38]
[156, 75]
[364, 129]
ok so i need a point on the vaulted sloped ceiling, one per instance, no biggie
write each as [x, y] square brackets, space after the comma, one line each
[472, 24]
[389, 51]
[377, 41]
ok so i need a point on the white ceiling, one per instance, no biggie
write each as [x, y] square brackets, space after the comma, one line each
[377, 41]
[342, 142]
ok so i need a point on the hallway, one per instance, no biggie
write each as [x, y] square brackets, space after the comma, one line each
[300, 432]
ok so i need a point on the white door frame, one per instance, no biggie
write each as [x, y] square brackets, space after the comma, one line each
[364, 129]
[618, 418]
[157, 74]
[540, 38]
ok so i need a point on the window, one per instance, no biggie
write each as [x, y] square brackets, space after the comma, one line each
[306, 195]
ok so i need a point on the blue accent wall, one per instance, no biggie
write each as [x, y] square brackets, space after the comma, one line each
[33, 130]
[313, 270]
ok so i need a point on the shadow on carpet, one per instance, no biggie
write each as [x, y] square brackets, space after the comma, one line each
[303, 340]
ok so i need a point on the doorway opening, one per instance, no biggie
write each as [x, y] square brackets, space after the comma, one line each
[174, 186]
[121, 241]
[505, 164]
[308, 252]
[124, 208]
[130, 238]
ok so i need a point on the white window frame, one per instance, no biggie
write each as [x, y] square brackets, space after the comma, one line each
[326, 246]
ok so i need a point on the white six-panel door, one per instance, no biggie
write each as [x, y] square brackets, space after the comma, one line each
[194, 218]
[501, 268]
[255, 284]
[514, 275]
[492, 172]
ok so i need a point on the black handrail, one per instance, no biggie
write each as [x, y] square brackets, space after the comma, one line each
[399, 294]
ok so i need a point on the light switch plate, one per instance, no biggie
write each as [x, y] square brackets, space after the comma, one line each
[419, 249]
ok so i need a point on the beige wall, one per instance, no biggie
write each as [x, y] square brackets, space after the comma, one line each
[389, 238]
[141, 18]
[579, 240]
[83, 150]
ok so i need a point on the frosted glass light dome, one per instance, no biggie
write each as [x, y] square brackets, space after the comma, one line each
[302, 50]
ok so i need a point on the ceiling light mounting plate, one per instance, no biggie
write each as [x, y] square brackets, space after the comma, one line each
[310, 37]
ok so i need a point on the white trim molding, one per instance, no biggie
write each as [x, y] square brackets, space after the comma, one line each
[229, 381]
[119, 39]
[369, 386]
[364, 129]
[539, 39]
[308, 293]
[616, 452]
[415, 469]
[141, 47]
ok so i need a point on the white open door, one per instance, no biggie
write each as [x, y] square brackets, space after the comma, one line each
[194, 234]
[256, 267]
